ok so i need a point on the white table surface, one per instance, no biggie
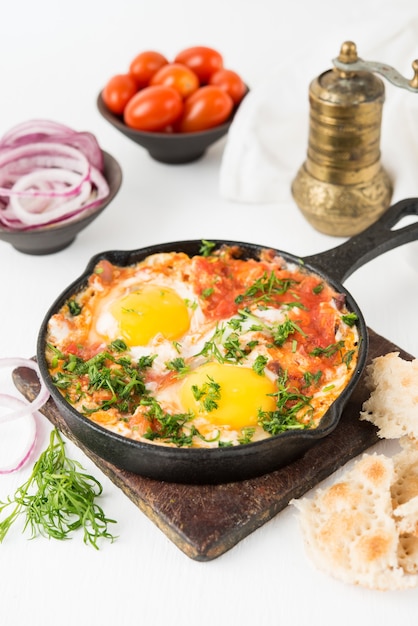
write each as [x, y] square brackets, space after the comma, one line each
[54, 59]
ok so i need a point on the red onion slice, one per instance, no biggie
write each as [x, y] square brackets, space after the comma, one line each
[18, 427]
[42, 154]
[49, 174]
[17, 438]
[33, 128]
[40, 399]
[25, 213]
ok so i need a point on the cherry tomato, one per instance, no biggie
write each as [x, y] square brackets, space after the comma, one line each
[231, 82]
[202, 60]
[118, 91]
[178, 76]
[144, 66]
[207, 107]
[153, 108]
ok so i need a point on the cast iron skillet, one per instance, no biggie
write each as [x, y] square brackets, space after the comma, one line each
[246, 461]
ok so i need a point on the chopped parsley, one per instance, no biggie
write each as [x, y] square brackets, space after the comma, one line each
[117, 375]
[265, 289]
[259, 364]
[178, 365]
[206, 293]
[312, 379]
[207, 247]
[282, 331]
[292, 409]
[208, 394]
[74, 307]
[246, 435]
[329, 351]
[234, 352]
[170, 426]
[318, 288]
[350, 319]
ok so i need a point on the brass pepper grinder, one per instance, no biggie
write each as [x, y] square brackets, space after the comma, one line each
[342, 187]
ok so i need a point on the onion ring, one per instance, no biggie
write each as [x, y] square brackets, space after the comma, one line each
[13, 457]
[28, 216]
[40, 399]
[49, 171]
[24, 412]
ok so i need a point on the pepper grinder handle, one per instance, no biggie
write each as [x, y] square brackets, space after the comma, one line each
[388, 72]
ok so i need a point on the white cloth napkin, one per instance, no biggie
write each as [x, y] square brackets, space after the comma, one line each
[268, 138]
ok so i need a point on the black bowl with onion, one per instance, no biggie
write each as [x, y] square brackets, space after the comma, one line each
[66, 176]
[171, 148]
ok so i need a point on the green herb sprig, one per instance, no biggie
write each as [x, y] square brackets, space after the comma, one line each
[291, 405]
[265, 289]
[58, 499]
[329, 351]
[350, 319]
[207, 247]
[74, 307]
[115, 373]
[208, 394]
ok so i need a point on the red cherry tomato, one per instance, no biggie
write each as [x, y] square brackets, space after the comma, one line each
[231, 82]
[178, 76]
[144, 66]
[153, 108]
[118, 91]
[202, 60]
[207, 107]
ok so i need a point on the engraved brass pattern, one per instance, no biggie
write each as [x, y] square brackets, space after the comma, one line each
[342, 210]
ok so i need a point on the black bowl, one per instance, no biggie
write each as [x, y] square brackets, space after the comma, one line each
[172, 148]
[59, 236]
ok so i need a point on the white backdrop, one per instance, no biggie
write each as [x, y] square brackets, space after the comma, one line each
[54, 59]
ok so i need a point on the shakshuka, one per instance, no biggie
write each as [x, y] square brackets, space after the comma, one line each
[208, 350]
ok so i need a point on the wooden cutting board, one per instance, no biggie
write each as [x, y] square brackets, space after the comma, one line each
[204, 521]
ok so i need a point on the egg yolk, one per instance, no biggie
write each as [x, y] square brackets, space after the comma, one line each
[227, 395]
[150, 310]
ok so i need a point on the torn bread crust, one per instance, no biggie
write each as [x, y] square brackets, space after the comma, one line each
[404, 492]
[364, 529]
[351, 533]
[393, 402]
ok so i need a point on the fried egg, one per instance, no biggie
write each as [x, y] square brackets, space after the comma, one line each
[224, 399]
[227, 395]
[140, 312]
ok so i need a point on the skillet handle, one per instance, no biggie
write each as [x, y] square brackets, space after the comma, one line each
[340, 262]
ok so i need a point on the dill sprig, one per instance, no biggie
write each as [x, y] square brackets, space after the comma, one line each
[58, 498]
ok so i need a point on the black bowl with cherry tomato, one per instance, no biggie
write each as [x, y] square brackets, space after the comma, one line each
[175, 109]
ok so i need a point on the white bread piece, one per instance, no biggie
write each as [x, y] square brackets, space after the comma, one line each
[408, 553]
[404, 491]
[406, 516]
[349, 530]
[393, 402]
[404, 488]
